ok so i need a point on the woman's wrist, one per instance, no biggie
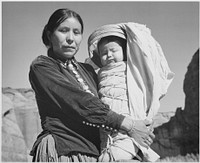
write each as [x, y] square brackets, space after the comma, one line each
[127, 125]
[114, 120]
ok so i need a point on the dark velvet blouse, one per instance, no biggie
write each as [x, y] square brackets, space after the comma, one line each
[71, 115]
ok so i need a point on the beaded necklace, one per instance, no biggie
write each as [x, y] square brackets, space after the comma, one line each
[72, 66]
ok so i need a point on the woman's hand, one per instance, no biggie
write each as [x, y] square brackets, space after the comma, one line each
[138, 130]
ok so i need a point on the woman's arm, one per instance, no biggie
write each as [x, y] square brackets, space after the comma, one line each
[48, 81]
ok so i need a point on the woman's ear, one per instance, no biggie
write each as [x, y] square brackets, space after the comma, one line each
[49, 36]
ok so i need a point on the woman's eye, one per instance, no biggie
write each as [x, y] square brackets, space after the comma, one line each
[63, 30]
[77, 32]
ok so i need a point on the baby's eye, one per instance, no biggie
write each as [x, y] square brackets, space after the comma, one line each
[114, 50]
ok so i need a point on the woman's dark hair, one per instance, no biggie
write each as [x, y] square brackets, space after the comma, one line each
[56, 19]
[114, 38]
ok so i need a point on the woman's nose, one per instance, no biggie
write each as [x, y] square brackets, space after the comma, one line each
[70, 38]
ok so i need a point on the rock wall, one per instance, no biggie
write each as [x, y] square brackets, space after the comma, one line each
[180, 135]
[13, 144]
[176, 132]
[20, 124]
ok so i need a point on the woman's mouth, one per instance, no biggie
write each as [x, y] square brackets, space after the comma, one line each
[70, 48]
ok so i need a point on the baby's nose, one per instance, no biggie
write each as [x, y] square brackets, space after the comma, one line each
[109, 54]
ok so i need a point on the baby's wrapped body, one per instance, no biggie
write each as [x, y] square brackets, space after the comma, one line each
[113, 91]
[113, 88]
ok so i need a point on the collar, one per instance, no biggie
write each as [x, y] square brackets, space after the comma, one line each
[63, 63]
[67, 62]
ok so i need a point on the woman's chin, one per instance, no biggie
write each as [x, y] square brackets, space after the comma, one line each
[69, 54]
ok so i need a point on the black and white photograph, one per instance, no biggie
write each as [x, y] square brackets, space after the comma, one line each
[100, 81]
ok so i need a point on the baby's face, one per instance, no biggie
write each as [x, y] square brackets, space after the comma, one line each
[110, 52]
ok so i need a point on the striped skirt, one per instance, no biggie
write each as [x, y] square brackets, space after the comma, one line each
[46, 152]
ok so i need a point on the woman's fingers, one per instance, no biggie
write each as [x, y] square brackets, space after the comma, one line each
[152, 136]
[144, 143]
[150, 141]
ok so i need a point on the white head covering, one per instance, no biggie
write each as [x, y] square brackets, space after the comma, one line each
[148, 73]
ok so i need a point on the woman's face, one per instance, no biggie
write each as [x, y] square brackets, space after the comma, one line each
[66, 39]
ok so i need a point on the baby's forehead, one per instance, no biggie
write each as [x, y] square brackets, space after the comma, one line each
[109, 42]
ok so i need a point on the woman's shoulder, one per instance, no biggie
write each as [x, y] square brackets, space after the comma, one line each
[41, 59]
[43, 63]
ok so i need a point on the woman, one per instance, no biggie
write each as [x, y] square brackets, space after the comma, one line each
[66, 94]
